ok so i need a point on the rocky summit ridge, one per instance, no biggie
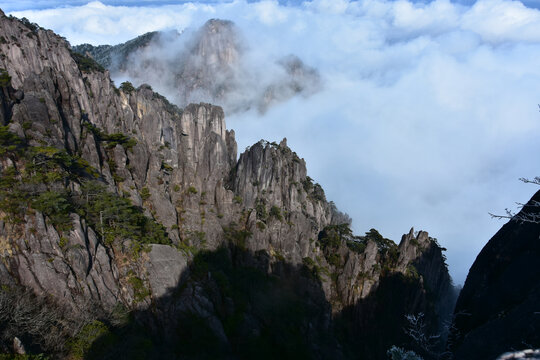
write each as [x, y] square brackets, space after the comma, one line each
[134, 224]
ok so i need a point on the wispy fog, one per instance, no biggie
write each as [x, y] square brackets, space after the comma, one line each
[212, 64]
[427, 115]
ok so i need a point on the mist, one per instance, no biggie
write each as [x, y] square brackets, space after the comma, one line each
[426, 115]
[213, 64]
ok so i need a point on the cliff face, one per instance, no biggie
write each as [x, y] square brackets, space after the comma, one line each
[115, 197]
[497, 310]
[213, 64]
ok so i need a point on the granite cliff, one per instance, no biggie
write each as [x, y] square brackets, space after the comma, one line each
[497, 310]
[133, 222]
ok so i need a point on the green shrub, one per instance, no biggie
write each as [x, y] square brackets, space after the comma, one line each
[119, 139]
[57, 207]
[332, 235]
[46, 168]
[318, 193]
[238, 200]
[237, 236]
[276, 212]
[145, 193]
[140, 292]
[192, 190]
[307, 184]
[199, 237]
[412, 272]
[86, 64]
[166, 167]
[260, 209]
[114, 217]
[5, 79]
[79, 346]
[357, 246]
[127, 87]
[63, 242]
[10, 143]
[334, 259]
[308, 262]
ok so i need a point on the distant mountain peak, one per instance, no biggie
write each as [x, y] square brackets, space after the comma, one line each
[211, 64]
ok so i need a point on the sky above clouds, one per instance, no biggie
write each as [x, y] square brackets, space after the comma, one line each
[428, 115]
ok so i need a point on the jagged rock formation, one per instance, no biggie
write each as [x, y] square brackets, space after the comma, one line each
[112, 57]
[116, 198]
[497, 310]
[211, 65]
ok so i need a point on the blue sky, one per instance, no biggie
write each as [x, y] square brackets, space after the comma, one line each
[427, 118]
[46, 4]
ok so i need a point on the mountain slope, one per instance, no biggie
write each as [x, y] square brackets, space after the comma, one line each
[115, 202]
[497, 310]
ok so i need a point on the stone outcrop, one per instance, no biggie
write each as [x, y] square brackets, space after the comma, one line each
[497, 310]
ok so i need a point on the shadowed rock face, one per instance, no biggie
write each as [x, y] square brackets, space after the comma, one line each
[85, 159]
[497, 310]
[211, 64]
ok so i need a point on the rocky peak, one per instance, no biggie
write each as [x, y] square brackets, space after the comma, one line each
[411, 247]
[212, 64]
[207, 70]
[217, 44]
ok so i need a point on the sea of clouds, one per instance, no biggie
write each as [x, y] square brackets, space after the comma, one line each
[428, 112]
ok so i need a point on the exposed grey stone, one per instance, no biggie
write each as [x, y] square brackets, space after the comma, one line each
[165, 266]
[18, 347]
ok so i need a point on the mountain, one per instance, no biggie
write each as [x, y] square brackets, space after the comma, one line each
[213, 64]
[112, 57]
[130, 229]
[497, 310]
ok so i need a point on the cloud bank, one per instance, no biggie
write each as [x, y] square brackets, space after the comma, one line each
[428, 114]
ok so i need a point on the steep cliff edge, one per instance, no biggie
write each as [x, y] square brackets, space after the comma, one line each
[497, 310]
[113, 198]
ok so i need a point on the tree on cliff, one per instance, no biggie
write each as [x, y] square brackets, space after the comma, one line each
[530, 212]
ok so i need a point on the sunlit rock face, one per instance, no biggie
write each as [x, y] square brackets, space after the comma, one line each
[213, 64]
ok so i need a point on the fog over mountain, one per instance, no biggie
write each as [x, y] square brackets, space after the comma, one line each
[212, 64]
[426, 115]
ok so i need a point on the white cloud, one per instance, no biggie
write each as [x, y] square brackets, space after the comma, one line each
[500, 20]
[269, 12]
[428, 116]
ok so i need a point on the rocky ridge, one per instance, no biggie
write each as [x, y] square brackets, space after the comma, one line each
[212, 64]
[85, 158]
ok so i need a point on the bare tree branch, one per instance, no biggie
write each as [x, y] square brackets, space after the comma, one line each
[529, 213]
[535, 181]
